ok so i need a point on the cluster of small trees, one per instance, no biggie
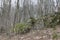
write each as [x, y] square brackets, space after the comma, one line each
[23, 10]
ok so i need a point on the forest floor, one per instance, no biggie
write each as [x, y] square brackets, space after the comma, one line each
[43, 34]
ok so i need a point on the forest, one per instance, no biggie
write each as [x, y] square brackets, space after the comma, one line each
[29, 19]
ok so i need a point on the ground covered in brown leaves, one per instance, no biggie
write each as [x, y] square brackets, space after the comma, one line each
[44, 34]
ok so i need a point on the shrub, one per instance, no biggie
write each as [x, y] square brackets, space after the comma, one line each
[22, 28]
[32, 21]
[52, 20]
[54, 36]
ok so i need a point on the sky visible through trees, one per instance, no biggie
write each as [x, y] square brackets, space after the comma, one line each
[16, 11]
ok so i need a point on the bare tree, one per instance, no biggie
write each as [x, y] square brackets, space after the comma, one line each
[16, 14]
